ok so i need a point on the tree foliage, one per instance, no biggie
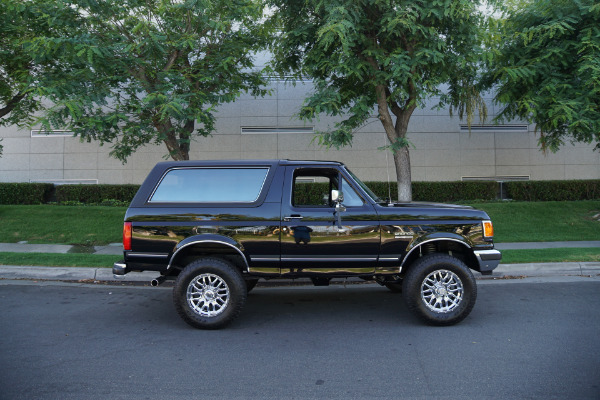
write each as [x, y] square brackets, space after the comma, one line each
[17, 21]
[147, 71]
[390, 55]
[21, 21]
[545, 68]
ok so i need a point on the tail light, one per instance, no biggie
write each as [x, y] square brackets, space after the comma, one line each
[127, 236]
[488, 229]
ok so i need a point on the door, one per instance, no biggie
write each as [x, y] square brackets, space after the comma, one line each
[316, 238]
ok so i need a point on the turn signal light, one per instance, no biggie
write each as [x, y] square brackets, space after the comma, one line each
[127, 236]
[488, 229]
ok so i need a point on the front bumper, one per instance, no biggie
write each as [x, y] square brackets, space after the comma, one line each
[488, 260]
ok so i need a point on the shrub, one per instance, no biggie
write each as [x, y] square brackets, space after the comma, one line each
[440, 191]
[95, 193]
[422, 191]
[554, 190]
[25, 193]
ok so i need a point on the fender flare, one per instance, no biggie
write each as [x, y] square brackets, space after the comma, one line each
[421, 240]
[208, 238]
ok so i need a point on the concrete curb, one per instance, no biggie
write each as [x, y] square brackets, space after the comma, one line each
[504, 271]
[546, 245]
[547, 269]
[71, 274]
[117, 248]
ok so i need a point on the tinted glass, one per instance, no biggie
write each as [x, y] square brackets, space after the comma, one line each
[314, 190]
[211, 185]
[351, 198]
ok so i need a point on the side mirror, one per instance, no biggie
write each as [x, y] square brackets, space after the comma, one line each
[337, 196]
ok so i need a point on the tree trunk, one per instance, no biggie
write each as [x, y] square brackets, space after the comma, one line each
[179, 150]
[402, 161]
[402, 155]
[396, 132]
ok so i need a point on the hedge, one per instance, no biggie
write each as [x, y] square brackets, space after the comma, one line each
[553, 190]
[95, 193]
[440, 191]
[38, 193]
[422, 191]
[25, 193]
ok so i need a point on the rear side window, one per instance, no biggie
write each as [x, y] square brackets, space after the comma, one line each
[210, 185]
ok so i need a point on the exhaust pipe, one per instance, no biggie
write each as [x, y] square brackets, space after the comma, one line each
[157, 281]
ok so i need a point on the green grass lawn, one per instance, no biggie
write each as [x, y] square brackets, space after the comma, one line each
[96, 225]
[543, 221]
[49, 224]
[551, 255]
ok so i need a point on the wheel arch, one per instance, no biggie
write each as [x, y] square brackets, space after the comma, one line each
[455, 246]
[208, 246]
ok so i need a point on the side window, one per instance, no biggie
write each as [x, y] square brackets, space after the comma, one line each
[210, 185]
[312, 188]
[351, 198]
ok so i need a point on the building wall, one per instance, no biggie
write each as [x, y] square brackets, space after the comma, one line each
[442, 150]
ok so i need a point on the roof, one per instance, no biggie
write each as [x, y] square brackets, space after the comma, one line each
[215, 163]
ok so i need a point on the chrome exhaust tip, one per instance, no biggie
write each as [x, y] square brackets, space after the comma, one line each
[157, 281]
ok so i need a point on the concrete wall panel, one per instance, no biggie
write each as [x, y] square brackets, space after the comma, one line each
[45, 145]
[442, 151]
[582, 171]
[46, 161]
[512, 157]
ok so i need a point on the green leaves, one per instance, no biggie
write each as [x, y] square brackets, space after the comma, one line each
[409, 48]
[547, 69]
[133, 72]
[383, 58]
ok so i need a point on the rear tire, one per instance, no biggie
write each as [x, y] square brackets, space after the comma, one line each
[209, 293]
[439, 289]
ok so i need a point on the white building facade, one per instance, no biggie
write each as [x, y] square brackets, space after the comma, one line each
[256, 128]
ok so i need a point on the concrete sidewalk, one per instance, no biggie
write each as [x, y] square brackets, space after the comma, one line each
[117, 248]
[111, 249]
[504, 271]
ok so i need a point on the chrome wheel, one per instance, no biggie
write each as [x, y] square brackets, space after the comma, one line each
[442, 291]
[208, 295]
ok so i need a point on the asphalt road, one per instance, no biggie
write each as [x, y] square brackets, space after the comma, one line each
[523, 340]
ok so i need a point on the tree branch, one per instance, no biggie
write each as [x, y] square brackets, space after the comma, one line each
[11, 104]
[172, 60]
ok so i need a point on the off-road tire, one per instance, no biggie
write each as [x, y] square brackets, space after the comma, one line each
[209, 293]
[439, 289]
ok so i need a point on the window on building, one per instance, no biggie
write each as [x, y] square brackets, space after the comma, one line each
[53, 133]
[498, 128]
[255, 130]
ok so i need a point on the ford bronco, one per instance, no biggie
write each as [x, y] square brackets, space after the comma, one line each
[217, 227]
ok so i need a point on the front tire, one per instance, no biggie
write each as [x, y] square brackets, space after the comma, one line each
[439, 289]
[209, 293]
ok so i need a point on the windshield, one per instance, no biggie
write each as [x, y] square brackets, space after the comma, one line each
[364, 187]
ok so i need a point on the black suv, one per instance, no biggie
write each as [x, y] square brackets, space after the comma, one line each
[217, 227]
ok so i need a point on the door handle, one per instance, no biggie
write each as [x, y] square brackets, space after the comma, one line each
[291, 217]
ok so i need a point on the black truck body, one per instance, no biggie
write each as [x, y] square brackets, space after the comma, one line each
[290, 219]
